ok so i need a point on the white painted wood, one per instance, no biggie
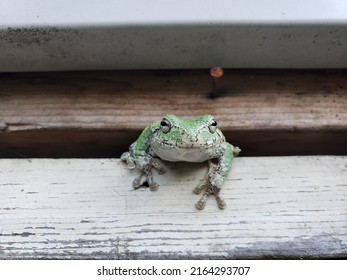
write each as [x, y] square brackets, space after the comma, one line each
[151, 12]
[61, 35]
[280, 207]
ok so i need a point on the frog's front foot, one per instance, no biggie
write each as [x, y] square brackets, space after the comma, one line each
[147, 182]
[211, 187]
[130, 161]
[211, 190]
[144, 168]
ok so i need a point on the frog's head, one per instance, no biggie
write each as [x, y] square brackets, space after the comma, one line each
[201, 132]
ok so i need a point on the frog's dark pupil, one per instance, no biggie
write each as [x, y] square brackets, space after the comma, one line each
[164, 123]
[214, 123]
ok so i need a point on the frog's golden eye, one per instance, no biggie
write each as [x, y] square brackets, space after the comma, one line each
[165, 125]
[212, 126]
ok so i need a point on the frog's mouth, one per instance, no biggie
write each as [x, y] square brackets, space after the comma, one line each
[189, 145]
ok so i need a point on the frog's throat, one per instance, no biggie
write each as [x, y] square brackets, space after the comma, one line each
[186, 152]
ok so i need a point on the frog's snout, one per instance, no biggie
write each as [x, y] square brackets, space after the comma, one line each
[188, 138]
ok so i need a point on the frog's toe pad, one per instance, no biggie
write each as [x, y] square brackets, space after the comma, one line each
[236, 151]
[157, 166]
[137, 184]
[125, 156]
[161, 171]
[200, 205]
[128, 159]
[153, 187]
[221, 203]
[198, 190]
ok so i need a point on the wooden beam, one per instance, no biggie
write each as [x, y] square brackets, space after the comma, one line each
[100, 113]
[277, 207]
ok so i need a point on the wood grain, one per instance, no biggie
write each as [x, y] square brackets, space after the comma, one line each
[257, 109]
[277, 207]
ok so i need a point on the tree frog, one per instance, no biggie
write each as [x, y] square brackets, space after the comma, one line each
[178, 139]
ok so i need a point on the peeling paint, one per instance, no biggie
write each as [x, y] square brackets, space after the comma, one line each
[320, 246]
[22, 234]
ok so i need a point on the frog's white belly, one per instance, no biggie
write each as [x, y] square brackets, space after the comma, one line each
[170, 153]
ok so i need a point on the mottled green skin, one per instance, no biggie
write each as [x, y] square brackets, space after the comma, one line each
[193, 140]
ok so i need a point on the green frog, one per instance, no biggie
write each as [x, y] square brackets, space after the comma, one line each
[178, 139]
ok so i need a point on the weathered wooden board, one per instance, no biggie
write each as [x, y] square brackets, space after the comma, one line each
[114, 99]
[100, 113]
[277, 207]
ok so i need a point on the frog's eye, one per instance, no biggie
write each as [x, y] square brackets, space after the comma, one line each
[165, 125]
[213, 126]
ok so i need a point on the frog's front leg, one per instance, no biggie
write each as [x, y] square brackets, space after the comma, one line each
[141, 158]
[212, 185]
[216, 176]
[199, 188]
[144, 165]
[148, 180]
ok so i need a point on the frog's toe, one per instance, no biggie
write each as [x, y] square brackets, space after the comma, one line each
[161, 171]
[221, 203]
[126, 157]
[136, 184]
[236, 151]
[200, 205]
[154, 186]
[198, 189]
[202, 202]
[137, 181]
[157, 166]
